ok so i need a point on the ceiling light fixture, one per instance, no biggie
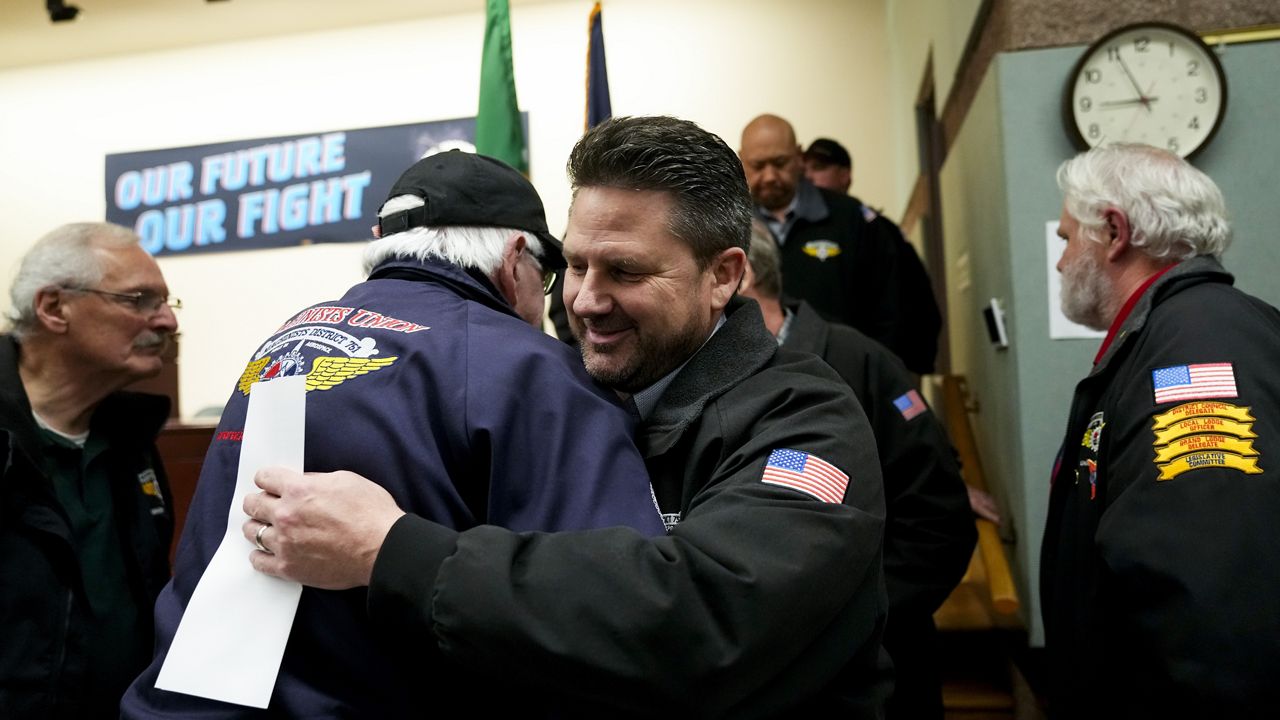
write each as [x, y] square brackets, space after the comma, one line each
[59, 11]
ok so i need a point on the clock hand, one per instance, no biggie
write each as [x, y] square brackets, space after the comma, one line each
[1132, 80]
[1144, 101]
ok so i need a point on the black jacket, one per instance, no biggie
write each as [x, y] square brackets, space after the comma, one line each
[1160, 569]
[44, 614]
[854, 267]
[752, 606]
[929, 531]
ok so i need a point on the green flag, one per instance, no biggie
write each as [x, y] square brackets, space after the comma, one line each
[498, 131]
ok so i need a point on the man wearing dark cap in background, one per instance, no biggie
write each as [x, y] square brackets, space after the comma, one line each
[844, 259]
[828, 166]
[435, 385]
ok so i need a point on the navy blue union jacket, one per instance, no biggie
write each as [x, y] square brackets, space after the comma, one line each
[424, 380]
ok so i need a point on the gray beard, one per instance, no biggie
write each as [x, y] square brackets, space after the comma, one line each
[1084, 293]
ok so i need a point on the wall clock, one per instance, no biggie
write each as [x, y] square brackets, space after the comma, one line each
[1150, 83]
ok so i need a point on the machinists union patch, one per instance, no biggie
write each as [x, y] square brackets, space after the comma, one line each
[821, 249]
[313, 345]
[1093, 434]
[150, 486]
[1091, 441]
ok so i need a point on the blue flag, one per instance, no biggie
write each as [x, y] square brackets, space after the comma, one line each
[598, 106]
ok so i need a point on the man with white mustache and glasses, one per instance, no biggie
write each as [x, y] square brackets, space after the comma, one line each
[1160, 575]
[85, 523]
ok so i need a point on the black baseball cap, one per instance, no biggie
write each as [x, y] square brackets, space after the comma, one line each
[461, 188]
[828, 151]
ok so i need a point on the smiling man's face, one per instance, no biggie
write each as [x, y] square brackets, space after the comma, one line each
[638, 302]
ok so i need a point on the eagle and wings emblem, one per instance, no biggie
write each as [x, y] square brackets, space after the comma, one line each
[326, 373]
[277, 359]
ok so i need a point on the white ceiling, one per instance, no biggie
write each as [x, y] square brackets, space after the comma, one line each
[114, 27]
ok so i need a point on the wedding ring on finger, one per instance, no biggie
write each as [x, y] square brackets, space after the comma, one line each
[257, 539]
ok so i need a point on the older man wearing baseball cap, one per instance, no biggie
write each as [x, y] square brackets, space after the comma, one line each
[435, 385]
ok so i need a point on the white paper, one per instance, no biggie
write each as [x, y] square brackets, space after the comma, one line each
[231, 639]
[1060, 328]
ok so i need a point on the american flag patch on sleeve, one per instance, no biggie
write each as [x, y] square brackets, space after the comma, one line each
[1192, 382]
[807, 473]
[910, 404]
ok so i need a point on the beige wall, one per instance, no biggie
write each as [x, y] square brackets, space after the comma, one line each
[718, 62]
[919, 29]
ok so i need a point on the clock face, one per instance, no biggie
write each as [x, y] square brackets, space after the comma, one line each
[1150, 83]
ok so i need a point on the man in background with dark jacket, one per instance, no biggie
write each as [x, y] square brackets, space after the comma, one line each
[85, 523]
[852, 265]
[929, 531]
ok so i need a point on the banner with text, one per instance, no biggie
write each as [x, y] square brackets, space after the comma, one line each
[269, 192]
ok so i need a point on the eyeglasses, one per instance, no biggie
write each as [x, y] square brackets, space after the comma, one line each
[145, 302]
[548, 276]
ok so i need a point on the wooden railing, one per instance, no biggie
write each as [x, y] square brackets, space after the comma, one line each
[990, 565]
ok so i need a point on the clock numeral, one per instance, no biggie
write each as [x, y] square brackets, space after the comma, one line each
[1193, 68]
[1093, 76]
[1170, 48]
[1140, 44]
[1094, 131]
[1113, 53]
[1085, 104]
[1195, 123]
[1202, 95]
[1173, 144]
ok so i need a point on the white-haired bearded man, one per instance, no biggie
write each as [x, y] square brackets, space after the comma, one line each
[1160, 569]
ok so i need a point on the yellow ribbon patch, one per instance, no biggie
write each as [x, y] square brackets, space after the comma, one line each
[1215, 425]
[1248, 466]
[1204, 434]
[1194, 443]
[1200, 409]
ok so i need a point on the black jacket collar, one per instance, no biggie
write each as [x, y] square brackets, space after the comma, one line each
[808, 331]
[736, 352]
[1185, 274]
